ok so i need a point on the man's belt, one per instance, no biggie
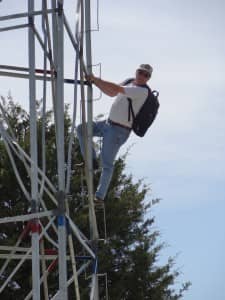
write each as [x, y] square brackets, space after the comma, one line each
[118, 124]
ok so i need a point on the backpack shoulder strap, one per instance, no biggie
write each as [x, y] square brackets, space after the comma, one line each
[127, 81]
[130, 109]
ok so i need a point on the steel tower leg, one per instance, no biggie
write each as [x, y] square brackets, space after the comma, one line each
[92, 218]
[59, 107]
[33, 153]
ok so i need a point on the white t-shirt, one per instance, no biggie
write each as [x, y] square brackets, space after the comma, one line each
[119, 109]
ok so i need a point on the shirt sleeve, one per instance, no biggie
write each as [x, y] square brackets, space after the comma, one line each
[135, 92]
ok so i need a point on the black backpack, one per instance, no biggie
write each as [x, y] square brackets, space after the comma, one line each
[147, 113]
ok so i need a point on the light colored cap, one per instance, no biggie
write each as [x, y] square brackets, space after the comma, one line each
[147, 68]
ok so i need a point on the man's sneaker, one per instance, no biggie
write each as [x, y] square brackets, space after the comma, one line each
[80, 165]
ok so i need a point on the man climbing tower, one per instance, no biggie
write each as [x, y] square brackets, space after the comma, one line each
[117, 128]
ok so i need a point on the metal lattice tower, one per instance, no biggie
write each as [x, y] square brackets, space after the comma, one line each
[54, 25]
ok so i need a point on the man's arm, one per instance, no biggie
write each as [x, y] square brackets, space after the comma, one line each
[109, 88]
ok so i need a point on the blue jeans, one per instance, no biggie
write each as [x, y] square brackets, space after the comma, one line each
[113, 138]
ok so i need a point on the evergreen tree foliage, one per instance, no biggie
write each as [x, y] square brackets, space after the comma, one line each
[131, 251]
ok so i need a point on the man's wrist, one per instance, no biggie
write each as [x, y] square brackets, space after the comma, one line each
[95, 80]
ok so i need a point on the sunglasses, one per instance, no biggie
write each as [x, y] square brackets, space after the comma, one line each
[143, 73]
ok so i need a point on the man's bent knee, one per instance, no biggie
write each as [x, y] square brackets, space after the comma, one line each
[108, 166]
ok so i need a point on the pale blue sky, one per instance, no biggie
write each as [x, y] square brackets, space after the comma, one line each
[182, 156]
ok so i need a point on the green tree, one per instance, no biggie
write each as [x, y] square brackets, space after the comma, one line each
[131, 251]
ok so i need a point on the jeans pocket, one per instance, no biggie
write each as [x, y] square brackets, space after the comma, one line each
[121, 139]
